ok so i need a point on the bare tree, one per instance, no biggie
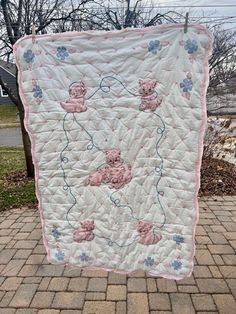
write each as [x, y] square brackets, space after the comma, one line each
[223, 60]
[222, 65]
[110, 15]
[128, 14]
[16, 20]
[18, 16]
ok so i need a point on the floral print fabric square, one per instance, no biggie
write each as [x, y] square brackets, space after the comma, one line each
[116, 122]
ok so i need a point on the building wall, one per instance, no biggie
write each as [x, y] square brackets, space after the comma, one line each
[11, 83]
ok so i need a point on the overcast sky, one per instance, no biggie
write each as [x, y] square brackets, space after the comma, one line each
[214, 12]
[219, 10]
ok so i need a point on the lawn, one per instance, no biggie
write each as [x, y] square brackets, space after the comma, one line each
[15, 188]
[8, 116]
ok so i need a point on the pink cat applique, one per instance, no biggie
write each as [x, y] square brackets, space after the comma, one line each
[147, 236]
[115, 172]
[85, 233]
[94, 179]
[76, 102]
[148, 95]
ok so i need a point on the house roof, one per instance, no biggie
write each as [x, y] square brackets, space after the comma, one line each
[8, 66]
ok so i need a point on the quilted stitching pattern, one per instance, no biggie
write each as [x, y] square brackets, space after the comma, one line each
[156, 124]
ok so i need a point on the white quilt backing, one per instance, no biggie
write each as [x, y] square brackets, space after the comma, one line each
[116, 121]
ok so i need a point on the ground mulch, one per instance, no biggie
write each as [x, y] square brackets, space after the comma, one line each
[16, 178]
[218, 177]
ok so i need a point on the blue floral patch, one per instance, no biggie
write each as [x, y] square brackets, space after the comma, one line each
[191, 46]
[37, 92]
[62, 53]
[186, 85]
[60, 255]
[84, 257]
[149, 261]
[154, 46]
[176, 264]
[29, 56]
[178, 239]
[56, 233]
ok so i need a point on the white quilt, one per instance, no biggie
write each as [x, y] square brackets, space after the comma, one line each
[116, 120]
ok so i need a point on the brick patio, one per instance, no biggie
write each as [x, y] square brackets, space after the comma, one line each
[28, 284]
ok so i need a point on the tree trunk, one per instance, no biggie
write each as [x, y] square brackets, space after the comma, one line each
[25, 135]
[26, 142]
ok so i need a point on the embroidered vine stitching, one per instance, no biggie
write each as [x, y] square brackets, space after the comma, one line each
[114, 170]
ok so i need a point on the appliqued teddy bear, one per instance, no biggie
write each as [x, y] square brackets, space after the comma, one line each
[85, 233]
[147, 236]
[148, 95]
[76, 102]
[115, 172]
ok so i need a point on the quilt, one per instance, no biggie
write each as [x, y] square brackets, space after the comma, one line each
[116, 121]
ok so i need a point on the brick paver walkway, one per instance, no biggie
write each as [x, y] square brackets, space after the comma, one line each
[28, 284]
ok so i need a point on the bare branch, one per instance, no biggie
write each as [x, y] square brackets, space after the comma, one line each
[62, 18]
[7, 21]
[115, 22]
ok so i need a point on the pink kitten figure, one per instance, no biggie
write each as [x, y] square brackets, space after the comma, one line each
[94, 179]
[147, 236]
[148, 95]
[105, 172]
[118, 173]
[115, 172]
[85, 233]
[113, 157]
[76, 102]
[120, 176]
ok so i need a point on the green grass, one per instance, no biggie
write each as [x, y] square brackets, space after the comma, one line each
[16, 193]
[8, 116]
[17, 196]
[11, 159]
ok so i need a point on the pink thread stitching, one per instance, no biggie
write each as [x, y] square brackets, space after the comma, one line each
[76, 101]
[147, 236]
[115, 172]
[85, 233]
[148, 95]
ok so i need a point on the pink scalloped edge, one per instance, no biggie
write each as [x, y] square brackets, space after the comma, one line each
[208, 52]
[162, 28]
